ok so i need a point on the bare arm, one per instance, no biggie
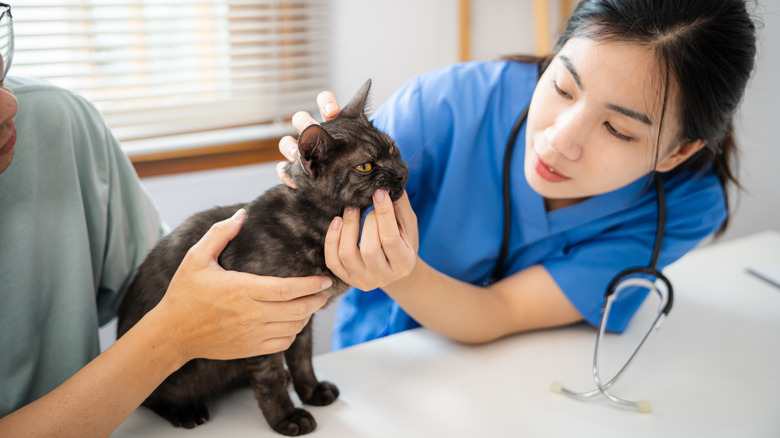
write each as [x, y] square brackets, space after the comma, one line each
[207, 312]
[526, 301]
[387, 257]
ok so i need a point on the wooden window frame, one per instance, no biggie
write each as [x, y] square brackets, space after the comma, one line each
[206, 158]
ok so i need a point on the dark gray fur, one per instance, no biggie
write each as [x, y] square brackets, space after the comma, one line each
[282, 236]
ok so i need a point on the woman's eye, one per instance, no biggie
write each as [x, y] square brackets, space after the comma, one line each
[560, 91]
[365, 167]
[617, 133]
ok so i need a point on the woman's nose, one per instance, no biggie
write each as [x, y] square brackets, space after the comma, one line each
[8, 105]
[566, 135]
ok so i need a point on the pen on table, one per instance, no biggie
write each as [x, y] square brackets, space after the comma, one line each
[773, 281]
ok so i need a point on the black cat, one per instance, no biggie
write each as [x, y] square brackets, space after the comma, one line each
[341, 163]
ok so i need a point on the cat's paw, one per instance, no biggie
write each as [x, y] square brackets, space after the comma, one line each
[297, 422]
[323, 394]
[187, 416]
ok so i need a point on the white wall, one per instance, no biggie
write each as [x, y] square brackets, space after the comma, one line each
[758, 206]
[392, 41]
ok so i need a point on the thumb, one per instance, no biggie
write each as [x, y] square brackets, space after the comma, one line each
[220, 234]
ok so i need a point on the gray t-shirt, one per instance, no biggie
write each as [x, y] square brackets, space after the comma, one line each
[75, 223]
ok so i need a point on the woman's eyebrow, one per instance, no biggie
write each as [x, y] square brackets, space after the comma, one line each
[630, 113]
[569, 66]
[617, 108]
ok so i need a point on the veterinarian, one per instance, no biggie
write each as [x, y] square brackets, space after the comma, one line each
[75, 223]
[635, 90]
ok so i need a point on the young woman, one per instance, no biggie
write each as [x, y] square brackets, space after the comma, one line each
[635, 90]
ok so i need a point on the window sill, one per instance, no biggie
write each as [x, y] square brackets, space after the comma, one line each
[207, 150]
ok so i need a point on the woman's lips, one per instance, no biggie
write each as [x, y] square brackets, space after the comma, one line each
[9, 145]
[546, 172]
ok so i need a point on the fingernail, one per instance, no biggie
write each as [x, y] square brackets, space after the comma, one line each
[326, 282]
[379, 195]
[330, 109]
[335, 224]
[239, 215]
[291, 153]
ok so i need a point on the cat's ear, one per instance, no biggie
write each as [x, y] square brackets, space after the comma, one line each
[312, 143]
[356, 107]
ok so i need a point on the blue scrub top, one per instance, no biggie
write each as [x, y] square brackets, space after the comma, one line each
[451, 126]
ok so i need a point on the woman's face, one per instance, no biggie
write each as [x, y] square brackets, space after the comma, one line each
[8, 106]
[594, 122]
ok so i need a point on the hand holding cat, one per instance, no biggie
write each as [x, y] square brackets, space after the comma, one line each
[388, 243]
[217, 314]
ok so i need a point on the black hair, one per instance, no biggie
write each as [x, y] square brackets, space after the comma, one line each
[707, 47]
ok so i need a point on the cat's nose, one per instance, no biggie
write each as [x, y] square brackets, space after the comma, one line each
[400, 177]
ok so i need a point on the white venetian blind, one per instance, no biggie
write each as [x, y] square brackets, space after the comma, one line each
[162, 67]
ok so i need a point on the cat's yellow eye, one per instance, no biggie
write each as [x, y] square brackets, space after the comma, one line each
[365, 167]
[392, 150]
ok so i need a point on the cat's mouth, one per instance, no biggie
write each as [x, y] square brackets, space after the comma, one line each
[396, 185]
[367, 202]
[395, 194]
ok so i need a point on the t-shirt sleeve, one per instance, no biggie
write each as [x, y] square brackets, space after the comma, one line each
[133, 227]
[124, 223]
[695, 209]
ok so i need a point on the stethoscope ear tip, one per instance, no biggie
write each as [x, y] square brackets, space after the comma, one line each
[643, 406]
[556, 387]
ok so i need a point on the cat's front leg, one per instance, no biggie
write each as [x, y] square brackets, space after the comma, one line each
[298, 357]
[269, 382]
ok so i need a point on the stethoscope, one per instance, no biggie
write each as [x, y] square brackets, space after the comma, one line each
[631, 277]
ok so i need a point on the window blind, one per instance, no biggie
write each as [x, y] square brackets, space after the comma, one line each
[157, 68]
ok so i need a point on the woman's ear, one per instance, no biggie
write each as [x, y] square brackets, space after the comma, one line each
[682, 152]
